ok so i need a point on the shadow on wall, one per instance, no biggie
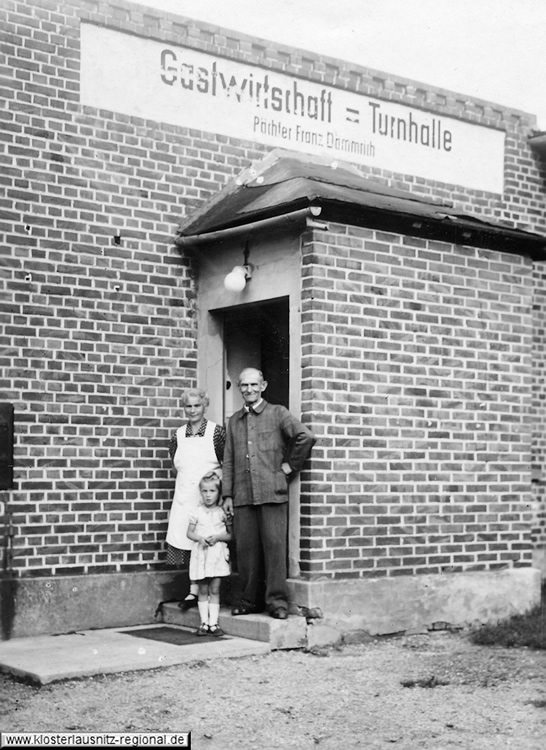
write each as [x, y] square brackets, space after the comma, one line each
[8, 594]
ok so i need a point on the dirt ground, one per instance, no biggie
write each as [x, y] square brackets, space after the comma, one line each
[431, 691]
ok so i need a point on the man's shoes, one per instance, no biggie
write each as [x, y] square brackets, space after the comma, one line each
[203, 629]
[189, 602]
[216, 630]
[280, 613]
[244, 609]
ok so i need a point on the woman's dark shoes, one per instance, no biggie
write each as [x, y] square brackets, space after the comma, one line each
[203, 629]
[280, 613]
[189, 602]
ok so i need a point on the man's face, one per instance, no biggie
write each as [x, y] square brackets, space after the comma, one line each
[251, 385]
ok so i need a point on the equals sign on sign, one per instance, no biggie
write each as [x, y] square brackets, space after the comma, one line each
[353, 115]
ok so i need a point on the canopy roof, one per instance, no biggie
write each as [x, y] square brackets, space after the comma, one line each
[284, 182]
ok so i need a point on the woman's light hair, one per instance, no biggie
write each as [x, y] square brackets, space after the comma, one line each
[195, 393]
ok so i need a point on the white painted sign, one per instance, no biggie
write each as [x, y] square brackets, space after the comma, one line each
[168, 83]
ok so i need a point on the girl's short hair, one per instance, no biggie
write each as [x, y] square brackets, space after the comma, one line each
[211, 478]
[196, 393]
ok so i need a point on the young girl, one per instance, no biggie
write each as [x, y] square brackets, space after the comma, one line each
[209, 529]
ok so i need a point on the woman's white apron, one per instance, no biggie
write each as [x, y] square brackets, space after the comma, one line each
[194, 457]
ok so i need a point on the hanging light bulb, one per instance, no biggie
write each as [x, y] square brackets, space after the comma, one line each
[235, 281]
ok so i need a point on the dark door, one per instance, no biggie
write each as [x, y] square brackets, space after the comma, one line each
[257, 336]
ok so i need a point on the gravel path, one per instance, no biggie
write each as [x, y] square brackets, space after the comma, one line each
[426, 691]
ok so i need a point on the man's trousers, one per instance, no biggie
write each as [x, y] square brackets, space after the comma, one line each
[261, 542]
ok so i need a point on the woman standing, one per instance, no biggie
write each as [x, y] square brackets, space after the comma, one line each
[196, 449]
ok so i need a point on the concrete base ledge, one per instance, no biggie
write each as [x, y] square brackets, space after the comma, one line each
[539, 560]
[408, 603]
[332, 609]
[55, 605]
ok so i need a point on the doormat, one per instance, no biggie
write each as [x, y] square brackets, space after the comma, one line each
[175, 636]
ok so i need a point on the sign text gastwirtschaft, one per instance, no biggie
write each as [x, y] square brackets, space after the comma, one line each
[168, 83]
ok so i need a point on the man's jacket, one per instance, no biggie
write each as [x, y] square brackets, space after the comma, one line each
[256, 446]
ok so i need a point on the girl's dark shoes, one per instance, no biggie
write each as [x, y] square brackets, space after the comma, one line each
[205, 629]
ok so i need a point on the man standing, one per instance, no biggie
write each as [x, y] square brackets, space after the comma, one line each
[265, 447]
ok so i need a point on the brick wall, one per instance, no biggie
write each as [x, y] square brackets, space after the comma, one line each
[416, 357]
[539, 415]
[98, 339]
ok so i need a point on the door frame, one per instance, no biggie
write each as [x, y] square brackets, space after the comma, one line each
[276, 263]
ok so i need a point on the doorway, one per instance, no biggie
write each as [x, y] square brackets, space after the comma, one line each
[262, 334]
[257, 335]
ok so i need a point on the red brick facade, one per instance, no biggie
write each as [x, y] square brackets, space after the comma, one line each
[417, 355]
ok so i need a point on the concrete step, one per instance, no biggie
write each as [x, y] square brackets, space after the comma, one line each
[279, 634]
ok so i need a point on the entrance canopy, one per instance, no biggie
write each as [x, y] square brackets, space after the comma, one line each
[284, 183]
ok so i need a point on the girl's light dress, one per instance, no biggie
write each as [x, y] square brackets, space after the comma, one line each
[209, 562]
